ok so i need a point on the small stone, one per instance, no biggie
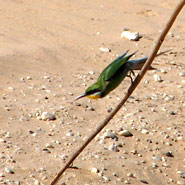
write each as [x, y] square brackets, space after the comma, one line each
[144, 131]
[47, 116]
[109, 110]
[179, 172]
[8, 135]
[64, 156]
[94, 170]
[144, 181]
[113, 147]
[105, 50]
[182, 174]
[110, 135]
[132, 36]
[46, 150]
[9, 170]
[171, 180]
[157, 78]
[168, 144]
[2, 175]
[126, 182]
[134, 152]
[125, 133]
[90, 108]
[182, 74]
[69, 134]
[163, 71]
[156, 158]
[78, 104]
[181, 182]
[172, 113]
[106, 179]
[169, 154]
[166, 165]
[130, 174]
[48, 145]
[154, 165]
[11, 88]
[29, 78]
[37, 182]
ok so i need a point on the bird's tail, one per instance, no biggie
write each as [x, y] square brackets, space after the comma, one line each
[138, 64]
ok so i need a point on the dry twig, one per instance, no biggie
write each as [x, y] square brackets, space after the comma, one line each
[130, 90]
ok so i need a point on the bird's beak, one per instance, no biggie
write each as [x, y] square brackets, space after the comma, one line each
[81, 96]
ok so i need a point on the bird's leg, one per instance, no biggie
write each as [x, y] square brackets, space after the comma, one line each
[130, 78]
[131, 72]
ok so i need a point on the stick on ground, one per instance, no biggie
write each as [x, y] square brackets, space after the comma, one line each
[130, 91]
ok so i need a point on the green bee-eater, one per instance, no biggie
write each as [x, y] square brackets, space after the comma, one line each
[113, 75]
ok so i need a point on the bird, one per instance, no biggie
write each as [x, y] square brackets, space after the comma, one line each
[113, 75]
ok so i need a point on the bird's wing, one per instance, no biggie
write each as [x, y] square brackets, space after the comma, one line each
[120, 57]
[113, 68]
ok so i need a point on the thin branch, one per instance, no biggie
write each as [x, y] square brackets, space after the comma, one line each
[130, 90]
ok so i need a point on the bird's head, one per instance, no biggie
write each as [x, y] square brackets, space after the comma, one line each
[92, 92]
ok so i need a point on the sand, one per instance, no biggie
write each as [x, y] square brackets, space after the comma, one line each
[49, 54]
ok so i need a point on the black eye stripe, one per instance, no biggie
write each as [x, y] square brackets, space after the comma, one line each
[93, 91]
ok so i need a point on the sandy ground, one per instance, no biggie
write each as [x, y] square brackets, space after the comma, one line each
[49, 54]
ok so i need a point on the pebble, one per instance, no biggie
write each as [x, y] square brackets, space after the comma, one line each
[130, 174]
[111, 135]
[127, 182]
[169, 154]
[9, 170]
[8, 135]
[144, 131]
[144, 181]
[182, 174]
[132, 36]
[46, 150]
[156, 158]
[37, 182]
[134, 152]
[2, 175]
[105, 50]
[168, 144]
[172, 113]
[125, 133]
[11, 88]
[109, 110]
[90, 108]
[163, 71]
[64, 156]
[29, 78]
[157, 78]
[94, 170]
[182, 74]
[69, 134]
[181, 182]
[113, 147]
[106, 179]
[48, 145]
[154, 165]
[166, 165]
[47, 116]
